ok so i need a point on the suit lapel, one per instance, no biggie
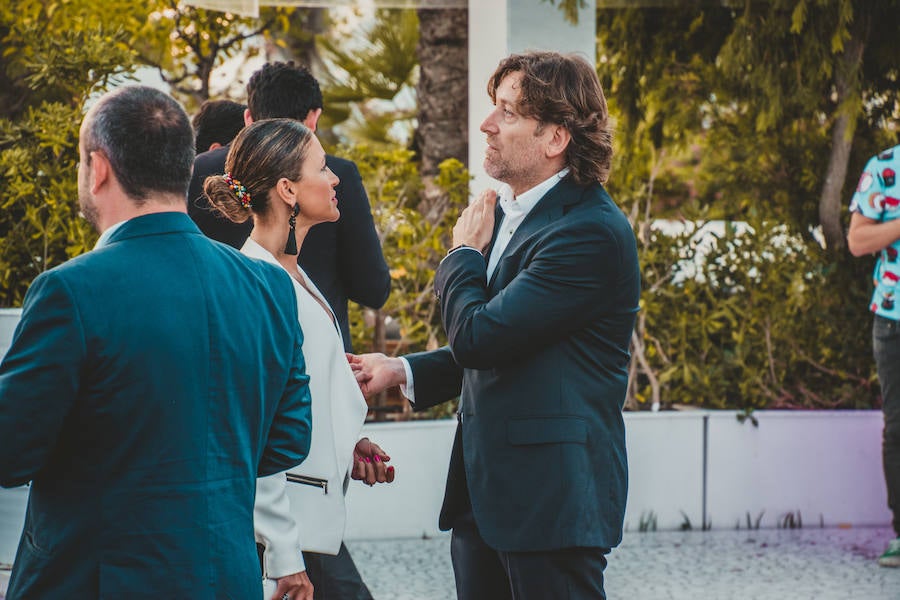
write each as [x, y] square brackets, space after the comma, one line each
[548, 209]
[498, 219]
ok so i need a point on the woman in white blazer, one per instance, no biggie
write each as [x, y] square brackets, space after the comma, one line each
[276, 175]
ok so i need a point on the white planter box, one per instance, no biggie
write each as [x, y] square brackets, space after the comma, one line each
[665, 468]
[9, 319]
[408, 507]
[700, 465]
[826, 465]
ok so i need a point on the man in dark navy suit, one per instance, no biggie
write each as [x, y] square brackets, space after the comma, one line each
[538, 301]
[344, 259]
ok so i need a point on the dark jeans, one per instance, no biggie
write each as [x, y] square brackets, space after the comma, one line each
[886, 348]
[333, 577]
[483, 573]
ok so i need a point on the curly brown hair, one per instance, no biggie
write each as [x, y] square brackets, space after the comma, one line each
[563, 89]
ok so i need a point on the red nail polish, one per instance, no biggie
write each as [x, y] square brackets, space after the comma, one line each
[390, 469]
[368, 460]
[377, 459]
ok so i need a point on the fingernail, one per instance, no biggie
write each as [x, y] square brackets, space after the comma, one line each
[377, 459]
[368, 460]
[390, 469]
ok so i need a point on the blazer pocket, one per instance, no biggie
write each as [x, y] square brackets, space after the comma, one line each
[523, 431]
[307, 480]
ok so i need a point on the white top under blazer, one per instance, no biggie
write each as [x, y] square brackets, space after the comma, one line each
[303, 508]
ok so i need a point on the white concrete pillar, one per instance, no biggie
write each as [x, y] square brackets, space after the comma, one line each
[498, 28]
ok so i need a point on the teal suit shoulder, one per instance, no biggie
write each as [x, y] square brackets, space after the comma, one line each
[142, 402]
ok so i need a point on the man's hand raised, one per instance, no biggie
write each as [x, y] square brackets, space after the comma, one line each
[475, 225]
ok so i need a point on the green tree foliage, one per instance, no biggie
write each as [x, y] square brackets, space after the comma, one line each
[185, 44]
[733, 115]
[413, 246]
[569, 8]
[363, 74]
[55, 54]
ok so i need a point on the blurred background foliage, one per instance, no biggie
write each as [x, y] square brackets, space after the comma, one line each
[748, 122]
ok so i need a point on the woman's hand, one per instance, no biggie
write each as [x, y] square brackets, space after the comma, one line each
[369, 463]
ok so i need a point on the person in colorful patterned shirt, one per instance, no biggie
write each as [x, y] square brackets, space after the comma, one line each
[875, 228]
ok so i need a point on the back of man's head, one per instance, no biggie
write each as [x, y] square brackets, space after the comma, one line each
[283, 90]
[217, 122]
[147, 138]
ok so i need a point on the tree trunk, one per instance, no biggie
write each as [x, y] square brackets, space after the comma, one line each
[443, 97]
[298, 43]
[847, 89]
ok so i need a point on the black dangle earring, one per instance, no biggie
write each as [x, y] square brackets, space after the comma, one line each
[291, 246]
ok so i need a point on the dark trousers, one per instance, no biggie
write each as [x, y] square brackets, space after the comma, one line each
[483, 573]
[333, 577]
[886, 348]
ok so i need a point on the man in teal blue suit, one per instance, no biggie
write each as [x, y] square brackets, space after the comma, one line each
[150, 381]
[539, 302]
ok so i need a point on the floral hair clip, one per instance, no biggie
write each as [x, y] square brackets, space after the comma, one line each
[239, 190]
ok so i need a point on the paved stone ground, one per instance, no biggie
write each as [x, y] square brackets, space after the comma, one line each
[819, 564]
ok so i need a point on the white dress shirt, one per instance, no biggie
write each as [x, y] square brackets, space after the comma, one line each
[515, 209]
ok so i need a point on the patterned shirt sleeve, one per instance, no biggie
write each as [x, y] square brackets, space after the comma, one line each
[869, 198]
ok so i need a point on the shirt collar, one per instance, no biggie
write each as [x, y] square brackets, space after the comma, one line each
[104, 237]
[521, 205]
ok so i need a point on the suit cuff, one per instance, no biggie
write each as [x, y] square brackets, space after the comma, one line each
[460, 249]
[408, 389]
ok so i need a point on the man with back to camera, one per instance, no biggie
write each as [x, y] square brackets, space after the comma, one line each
[141, 421]
[875, 228]
[344, 259]
[539, 302]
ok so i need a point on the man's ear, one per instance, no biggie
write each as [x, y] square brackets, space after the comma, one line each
[312, 119]
[100, 171]
[558, 141]
[247, 118]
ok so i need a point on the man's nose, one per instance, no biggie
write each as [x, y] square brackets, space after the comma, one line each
[488, 125]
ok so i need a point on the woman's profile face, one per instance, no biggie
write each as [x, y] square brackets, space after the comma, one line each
[315, 189]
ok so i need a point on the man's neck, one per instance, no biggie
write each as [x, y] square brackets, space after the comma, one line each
[126, 210]
[537, 177]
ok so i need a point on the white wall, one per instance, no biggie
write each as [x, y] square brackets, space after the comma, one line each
[408, 507]
[824, 464]
[820, 463]
[665, 468]
[704, 464]
[9, 318]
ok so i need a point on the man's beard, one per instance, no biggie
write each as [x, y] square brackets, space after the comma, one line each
[88, 208]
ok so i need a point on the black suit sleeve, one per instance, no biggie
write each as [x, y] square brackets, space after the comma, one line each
[361, 265]
[570, 281]
[436, 377]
